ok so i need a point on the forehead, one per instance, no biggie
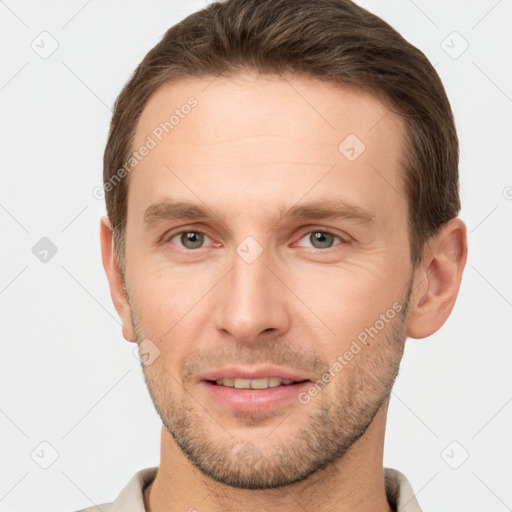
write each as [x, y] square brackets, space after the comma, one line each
[266, 135]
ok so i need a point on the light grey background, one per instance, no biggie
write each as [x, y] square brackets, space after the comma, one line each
[68, 377]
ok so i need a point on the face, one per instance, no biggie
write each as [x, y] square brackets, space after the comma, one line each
[267, 249]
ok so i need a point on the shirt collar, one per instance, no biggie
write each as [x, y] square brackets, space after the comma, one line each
[398, 491]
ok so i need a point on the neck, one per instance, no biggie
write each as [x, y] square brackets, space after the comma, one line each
[353, 483]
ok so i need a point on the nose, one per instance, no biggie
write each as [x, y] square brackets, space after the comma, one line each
[251, 301]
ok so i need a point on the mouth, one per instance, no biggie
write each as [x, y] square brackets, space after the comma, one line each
[262, 383]
[242, 390]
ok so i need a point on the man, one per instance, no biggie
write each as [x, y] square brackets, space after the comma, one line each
[281, 183]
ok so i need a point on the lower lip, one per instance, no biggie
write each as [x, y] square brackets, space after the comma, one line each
[254, 400]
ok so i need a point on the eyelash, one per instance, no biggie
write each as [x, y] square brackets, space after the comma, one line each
[324, 231]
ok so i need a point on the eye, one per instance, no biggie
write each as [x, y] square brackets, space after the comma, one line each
[320, 239]
[190, 239]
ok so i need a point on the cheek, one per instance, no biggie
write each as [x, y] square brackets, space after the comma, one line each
[345, 301]
[167, 298]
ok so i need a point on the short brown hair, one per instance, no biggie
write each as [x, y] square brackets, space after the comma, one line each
[332, 40]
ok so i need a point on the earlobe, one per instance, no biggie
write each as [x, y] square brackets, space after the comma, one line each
[115, 279]
[437, 280]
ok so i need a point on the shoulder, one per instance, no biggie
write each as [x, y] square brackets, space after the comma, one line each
[104, 507]
[131, 498]
[399, 492]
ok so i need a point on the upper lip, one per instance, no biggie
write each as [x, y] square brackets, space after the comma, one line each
[262, 372]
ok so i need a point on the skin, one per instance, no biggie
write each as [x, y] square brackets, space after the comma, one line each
[252, 144]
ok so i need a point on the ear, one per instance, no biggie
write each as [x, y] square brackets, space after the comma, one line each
[115, 279]
[437, 280]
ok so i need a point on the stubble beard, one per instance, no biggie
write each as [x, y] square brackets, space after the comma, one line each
[319, 433]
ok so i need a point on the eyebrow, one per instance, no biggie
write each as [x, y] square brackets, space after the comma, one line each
[329, 209]
[169, 209]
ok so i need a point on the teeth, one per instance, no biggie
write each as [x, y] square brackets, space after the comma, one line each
[227, 382]
[242, 383]
[274, 382]
[257, 383]
[267, 382]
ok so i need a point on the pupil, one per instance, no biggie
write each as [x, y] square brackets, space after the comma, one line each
[324, 239]
[191, 240]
